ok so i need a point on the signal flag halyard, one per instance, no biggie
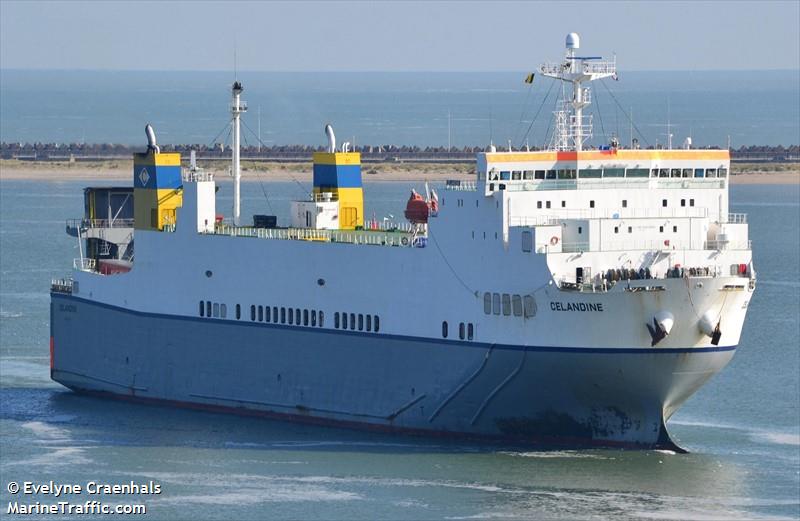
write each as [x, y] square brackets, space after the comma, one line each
[529, 78]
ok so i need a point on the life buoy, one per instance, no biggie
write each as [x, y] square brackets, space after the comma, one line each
[553, 240]
[404, 241]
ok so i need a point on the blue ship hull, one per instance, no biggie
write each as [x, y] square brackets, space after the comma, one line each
[549, 396]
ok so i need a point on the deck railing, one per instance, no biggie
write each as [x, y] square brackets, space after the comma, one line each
[62, 286]
[398, 237]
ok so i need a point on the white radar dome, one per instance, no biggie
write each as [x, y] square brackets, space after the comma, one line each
[573, 41]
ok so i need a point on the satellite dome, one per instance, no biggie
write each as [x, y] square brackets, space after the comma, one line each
[573, 41]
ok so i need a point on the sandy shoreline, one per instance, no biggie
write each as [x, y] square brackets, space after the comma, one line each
[742, 173]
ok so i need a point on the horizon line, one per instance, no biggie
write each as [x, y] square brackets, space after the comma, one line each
[362, 71]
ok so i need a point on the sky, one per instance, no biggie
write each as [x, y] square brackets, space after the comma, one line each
[394, 36]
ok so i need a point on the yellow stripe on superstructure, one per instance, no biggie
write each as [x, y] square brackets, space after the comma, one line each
[337, 158]
[594, 155]
[163, 159]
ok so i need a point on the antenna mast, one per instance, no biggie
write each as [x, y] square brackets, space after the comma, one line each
[571, 129]
[237, 108]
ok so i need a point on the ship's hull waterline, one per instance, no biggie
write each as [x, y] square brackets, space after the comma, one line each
[544, 396]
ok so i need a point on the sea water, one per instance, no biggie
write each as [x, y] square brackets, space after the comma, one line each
[742, 429]
[382, 108]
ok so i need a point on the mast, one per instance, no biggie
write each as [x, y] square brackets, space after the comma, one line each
[237, 107]
[571, 129]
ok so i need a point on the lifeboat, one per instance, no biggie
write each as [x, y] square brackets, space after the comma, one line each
[417, 209]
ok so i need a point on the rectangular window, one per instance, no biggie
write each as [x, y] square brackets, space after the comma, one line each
[616, 229]
[683, 202]
[321, 319]
[283, 315]
[352, 321]
[461, 331]
[624, 203]
[664, 203]
[691, 202]
[613, 172]
[663, 172]
[566, 174]
[487, 303]
[260, 313]
[563, 204]
[313, 318]
[377, 323]
[636, 172]
[216, 310]
[529, 305]
[470, 331]
[661, 229]
[344, 320]
[238, 311]
[267, 317]
[369, 322]
[527, 175]
[654, 172]
[208, 308]
[591, 204]
[723, 172]
[506, 304]
[590, 173]
[580, 230]
[252, 313]
[699, 172]
[547, 204]
[527, 241]
[360, 322]
[223, 311]
[538, 204]
[630, 229]
[336, 320]
[675, 172]
[711, 172]
[551, 174]
[444, 329]
[496, 303]
[516, 305]
[505, 175]
[687, 172]
[290, 312]
[538, 174]
[305, 317]
[202, 308]
[674, 229]
[516, 175]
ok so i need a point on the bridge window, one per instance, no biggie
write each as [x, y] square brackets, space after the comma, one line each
[538, 174]
[711, 172]
[527, 175]
[675, 172]
[723, 172]
[687, 172]
[613, 172]
[506, 304]
[551, 174]
[654, 172]
[516, 175]
[637, 172]
[699, 172]
[590, 173]
[663, 172]
[496, 303]
[567, 173]
[505, 175]
[487, 303]
[516, 304]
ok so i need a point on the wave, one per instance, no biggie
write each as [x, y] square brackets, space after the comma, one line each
[756, 434]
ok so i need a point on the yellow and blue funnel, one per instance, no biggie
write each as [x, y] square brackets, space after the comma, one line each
[157, 189]
[340, 174]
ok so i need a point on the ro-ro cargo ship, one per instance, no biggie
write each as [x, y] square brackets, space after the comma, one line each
[572, 296]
